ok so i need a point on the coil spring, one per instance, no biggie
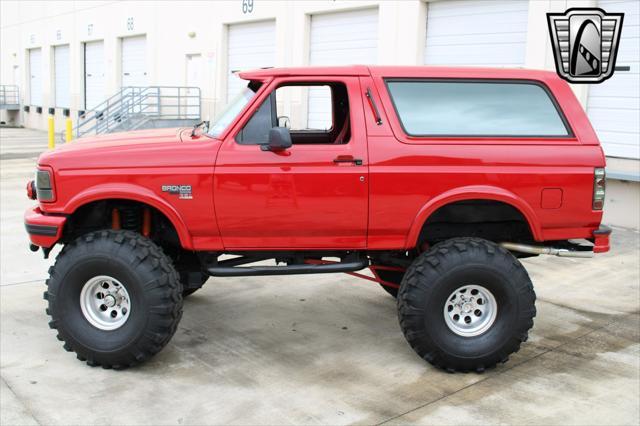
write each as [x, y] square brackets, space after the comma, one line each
[131, 219]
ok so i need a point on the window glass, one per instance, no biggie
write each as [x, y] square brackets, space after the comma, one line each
[432, 108]
[256, 131]
[231, 111]
[292, 100]
[314, 113]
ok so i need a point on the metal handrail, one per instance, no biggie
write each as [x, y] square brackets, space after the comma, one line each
[9, 94]
[132, 104]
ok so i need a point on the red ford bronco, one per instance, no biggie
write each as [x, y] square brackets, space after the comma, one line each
[436, 179]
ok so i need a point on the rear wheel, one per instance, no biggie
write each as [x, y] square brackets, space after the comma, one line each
[114, 298]
[466, 305]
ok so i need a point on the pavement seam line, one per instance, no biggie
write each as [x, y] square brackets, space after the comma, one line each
[24, 403]
[23, 282]
[498, 374]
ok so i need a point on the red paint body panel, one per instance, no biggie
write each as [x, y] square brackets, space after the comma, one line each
[248, 199]
[299, 198]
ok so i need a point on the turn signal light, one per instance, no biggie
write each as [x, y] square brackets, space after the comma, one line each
[599, 178]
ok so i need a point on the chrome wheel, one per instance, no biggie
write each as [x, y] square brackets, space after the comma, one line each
[470, 310]
[105, 302]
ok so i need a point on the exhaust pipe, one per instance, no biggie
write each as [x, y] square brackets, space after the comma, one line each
[526, 248]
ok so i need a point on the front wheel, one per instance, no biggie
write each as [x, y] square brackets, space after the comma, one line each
[114, 298]
[466, 305]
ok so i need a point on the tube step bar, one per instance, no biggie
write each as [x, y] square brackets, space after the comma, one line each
[247, 271]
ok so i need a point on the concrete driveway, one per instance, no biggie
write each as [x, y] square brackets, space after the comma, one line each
[319, 349]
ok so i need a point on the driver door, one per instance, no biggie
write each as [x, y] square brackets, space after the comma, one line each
[313, 195]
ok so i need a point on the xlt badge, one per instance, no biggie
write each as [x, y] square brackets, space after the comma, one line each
[183, 191]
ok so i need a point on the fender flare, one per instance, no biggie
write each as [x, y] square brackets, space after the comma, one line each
[126, 191]
[473, 192]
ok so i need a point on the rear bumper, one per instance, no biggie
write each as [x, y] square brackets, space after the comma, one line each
[43, 230]
[601, 239]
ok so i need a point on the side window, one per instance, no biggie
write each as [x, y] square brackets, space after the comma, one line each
[314, 113]
[473, 108]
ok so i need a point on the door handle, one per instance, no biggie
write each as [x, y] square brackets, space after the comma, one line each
[347, 159]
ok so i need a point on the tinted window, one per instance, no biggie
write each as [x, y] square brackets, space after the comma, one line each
[475, 109]
[256, 131]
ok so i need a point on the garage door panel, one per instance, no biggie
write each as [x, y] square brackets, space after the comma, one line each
[619, 138]
[476, 33]
[625, 149]
[618, 86]
[603, 102]
[339, 38]
[250, 45]
[468, 25]
[363, 39]
[613, 119]
[94, 74]
[501, 55]
[614, 105]
[35, 77]
[62, 79]
[470, 8]
[478, 39]
[134, 61]
[350, 56]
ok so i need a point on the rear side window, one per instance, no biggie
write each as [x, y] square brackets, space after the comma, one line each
[476, 108]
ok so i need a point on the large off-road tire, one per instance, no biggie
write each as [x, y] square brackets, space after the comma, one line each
[466, 305]
[114, 298]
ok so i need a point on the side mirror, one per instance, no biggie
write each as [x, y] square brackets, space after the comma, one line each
[279, 140]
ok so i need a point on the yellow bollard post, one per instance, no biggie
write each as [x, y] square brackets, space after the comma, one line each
[69, 131]
[52, 133]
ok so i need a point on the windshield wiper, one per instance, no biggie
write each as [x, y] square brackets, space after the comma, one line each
[206, 127]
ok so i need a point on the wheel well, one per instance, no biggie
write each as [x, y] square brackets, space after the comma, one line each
[489, 219]
[130, 216]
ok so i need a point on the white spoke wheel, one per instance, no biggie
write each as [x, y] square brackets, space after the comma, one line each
[470, 310]
[105, 302]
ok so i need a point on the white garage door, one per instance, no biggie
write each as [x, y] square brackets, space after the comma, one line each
[94, 92]
[342, 38]
[61, 76]
[134, 61]
[35, 73]
[480, 33]
[250, 46]
[614, 105]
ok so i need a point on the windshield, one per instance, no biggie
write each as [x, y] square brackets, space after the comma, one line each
[234, 107]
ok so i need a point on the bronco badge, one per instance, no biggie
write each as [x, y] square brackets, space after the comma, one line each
[183, 191]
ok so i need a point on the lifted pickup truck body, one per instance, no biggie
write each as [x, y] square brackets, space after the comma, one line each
[370, 190]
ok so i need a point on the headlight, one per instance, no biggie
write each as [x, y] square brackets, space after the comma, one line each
[44, 186]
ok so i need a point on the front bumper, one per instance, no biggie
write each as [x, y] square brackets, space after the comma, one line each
[43, 230]
[601, 239]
